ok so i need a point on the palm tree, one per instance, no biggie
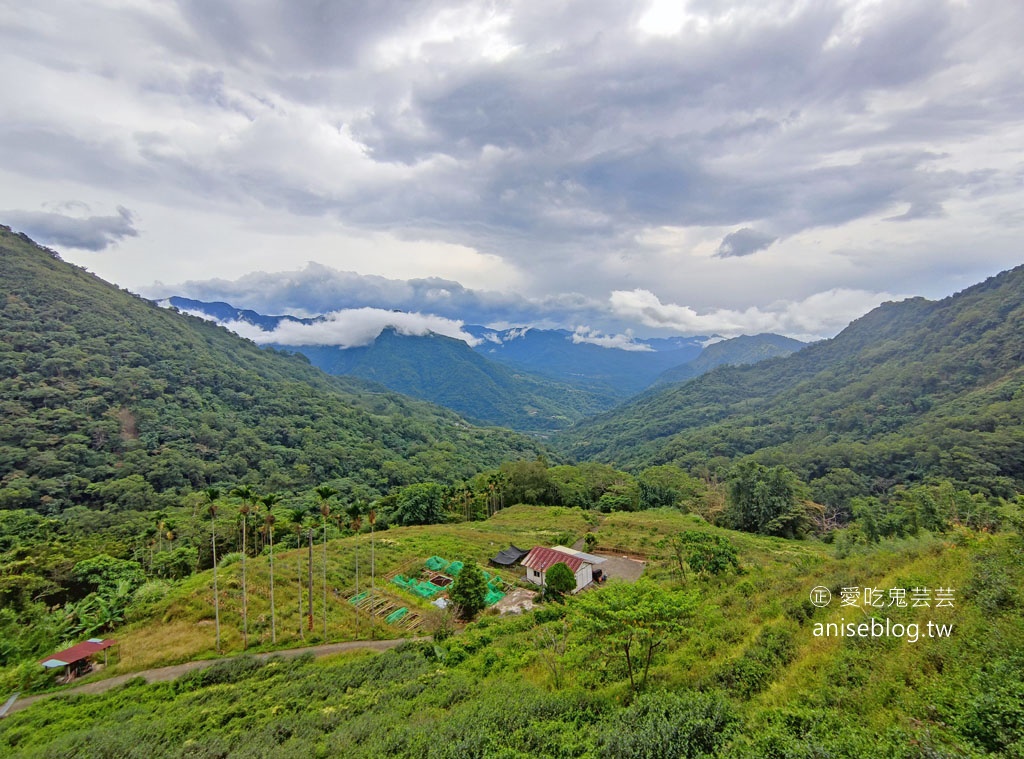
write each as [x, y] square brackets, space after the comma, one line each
[325, 493]
[296, 516]
[270, 500]
[372, 517]
[212, 495]
[248, 496]
[160, 519]
[356, 524]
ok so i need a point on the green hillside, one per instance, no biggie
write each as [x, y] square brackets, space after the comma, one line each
[738, 664]
[109, 401]
[448, 372]
[911, 391]
[736, 351]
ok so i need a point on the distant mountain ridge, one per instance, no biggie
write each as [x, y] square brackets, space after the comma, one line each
[737, 351]
[448, 372]
[555, 353]
[523, 378]
[909, 391]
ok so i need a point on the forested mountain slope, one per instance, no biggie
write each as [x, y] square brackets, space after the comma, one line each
[110, 400]
[911, 390]
[736, 351]
[448, 372]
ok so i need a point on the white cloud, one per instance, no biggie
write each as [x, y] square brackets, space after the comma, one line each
[528, 146]
[351, 328]
[515, 333]
[624, 341]
[820, 315]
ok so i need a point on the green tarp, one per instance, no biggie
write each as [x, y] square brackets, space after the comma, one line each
[436, 563]
[396, 615]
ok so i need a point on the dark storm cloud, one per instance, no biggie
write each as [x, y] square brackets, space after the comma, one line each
[320, 289]
[559, 137]
[90, 233]
[744, 242]
[300, 34]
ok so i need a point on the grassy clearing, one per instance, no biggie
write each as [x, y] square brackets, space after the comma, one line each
[180, 627]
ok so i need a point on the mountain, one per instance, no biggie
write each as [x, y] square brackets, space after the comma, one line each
[439, 369]
[561, 355]
[554, 354]
[736, 351]
[109, 400]
[448, 372]
[910, 391]
[523, 378]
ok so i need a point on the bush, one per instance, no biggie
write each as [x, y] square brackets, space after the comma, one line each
[669, 725]
[752, 672]
[990, 587]
[560, 579]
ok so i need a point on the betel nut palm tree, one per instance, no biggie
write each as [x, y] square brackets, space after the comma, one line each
[269, 501]
[325, 493]
[212, 496]
[248, 496]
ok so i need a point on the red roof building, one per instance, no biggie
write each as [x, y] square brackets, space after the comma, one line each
[540, 559]
[75, 659]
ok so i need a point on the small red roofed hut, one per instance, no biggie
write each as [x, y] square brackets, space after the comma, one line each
[77, 659]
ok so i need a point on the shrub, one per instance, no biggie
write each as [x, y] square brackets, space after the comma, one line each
[669, 725]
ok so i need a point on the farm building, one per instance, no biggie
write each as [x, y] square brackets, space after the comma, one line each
[540, 559]
[76, 660]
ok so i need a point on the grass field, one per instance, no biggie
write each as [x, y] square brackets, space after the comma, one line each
[745, 672]
[181, 626]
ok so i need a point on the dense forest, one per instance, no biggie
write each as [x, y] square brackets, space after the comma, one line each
[162, 479]
[111, 401]
[448, 372]
[911, 392]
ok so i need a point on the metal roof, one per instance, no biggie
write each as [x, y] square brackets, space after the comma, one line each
[541, 558]
[76, 653]
[587, 557]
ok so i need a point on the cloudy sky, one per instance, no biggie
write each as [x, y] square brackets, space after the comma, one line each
[685, 167]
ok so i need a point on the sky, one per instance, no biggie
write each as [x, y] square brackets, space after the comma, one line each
[613, 168]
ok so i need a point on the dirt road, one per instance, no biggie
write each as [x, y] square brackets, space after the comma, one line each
[162, 674]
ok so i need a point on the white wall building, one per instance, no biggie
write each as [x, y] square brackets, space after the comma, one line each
[540, 559]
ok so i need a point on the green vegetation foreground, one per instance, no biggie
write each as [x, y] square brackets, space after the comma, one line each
[699, 660]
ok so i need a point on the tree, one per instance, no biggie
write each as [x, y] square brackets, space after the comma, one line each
[421, 503]
[629, 623]
[469, 591]
[702, 551]
[552, 642]
[212, 496]
[372, 519]
[296, 516]
[104, 574]
[248, 496]
[270, 500]
[559, 579]
[355, 510]
[767, 501]
[325, 493]
[668, 486]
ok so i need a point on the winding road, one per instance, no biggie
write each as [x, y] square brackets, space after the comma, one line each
[162, 674]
